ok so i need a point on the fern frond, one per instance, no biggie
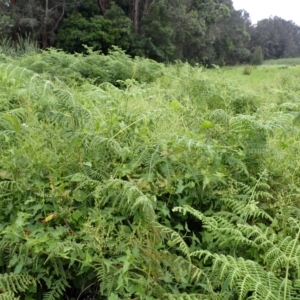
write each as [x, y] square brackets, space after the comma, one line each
[8, 296]
[174, 238]
[107, 276]
[248, 276]
[213, 296]
[129, 198]
[57, 290]
[65, 248]
[10, 282]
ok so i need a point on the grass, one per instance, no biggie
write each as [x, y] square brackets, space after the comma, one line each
[283, 61]
[264, 82]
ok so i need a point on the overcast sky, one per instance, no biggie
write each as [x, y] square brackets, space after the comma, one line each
[262, 9]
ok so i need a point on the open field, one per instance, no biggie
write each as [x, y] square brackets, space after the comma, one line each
[283, 61]
[262, 78]
[126, 179]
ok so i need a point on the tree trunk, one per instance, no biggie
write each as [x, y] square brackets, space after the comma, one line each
[13, 4]
[136, 16]
[45, 33]
[103, 5]
[146, 7]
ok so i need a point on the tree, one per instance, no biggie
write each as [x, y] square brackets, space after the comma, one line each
[97, 31]
[40, 18]
[257, 56]
[277, 37]
[232, 42]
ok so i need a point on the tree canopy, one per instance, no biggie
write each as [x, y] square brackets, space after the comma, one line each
[197, 31]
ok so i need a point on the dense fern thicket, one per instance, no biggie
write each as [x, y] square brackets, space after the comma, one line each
[128, 179]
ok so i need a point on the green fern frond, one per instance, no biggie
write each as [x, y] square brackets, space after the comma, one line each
[57, 290]
[126, 196]
[8, 296]
[10, 282]
[174, 238]
[248, 276]
[107, 276]
[64, 248]
[220, 116]
[99, 141]
[214, 296]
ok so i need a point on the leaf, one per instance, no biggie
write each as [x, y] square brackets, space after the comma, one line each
[79, 195]
[167, 277]
[19, 267]
[180, 187]
[88, 164]
[13, 121]
[5, 175]
[49, 218]
[78, 177]
[76, 215]
[206, 124]
[113, 297]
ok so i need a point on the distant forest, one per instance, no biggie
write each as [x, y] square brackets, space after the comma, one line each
[197, 31]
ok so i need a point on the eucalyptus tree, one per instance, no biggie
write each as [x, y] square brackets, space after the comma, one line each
[277, 37]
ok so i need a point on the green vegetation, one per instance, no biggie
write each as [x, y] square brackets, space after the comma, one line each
[247, 70]
[283, 61]
[124, 178]
[257, 56]
[197, 31]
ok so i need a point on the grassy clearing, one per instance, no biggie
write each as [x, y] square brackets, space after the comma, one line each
[283, 61]
[265, 81]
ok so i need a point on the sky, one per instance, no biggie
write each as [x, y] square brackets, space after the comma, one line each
[263, 9]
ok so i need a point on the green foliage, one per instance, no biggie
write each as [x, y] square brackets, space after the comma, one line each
[247, 70]
[97, 68]
[268, 265]
[283, 61]
[257, 56]
[96, 151]
[206, 31]
[97, 32]
[23, 46]
[277, 37]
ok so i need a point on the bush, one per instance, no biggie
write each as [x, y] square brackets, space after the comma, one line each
[247, 70]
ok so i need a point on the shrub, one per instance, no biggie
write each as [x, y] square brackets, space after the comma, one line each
[247, 70]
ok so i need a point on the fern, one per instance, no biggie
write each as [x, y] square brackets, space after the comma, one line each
[126, 196]
[214, 296]
[272, 277]
[107, 276]
[56, 291]
[10, 282]
[8, 296]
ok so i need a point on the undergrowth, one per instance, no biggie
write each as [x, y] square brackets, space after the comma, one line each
[122, 178]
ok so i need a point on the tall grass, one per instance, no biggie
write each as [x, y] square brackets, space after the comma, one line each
[283, 61]
[24, 45]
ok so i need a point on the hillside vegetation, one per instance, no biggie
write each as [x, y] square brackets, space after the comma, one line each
[123, 179]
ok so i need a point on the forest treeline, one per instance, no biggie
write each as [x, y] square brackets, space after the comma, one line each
[203, 31]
